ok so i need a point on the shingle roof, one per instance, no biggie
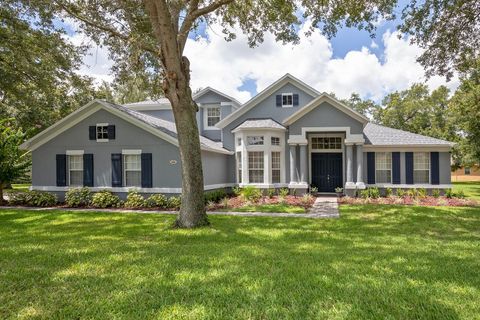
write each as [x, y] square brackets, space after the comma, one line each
[379, 135]
[260, 124]
[149, 102]
[164, 126]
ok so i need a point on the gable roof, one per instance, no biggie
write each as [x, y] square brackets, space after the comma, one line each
[207, 89]
[287, 78]
[324, 97]
[378, 135]
[259, 124]
[163, 129]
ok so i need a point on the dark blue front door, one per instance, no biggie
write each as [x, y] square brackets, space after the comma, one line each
[327, 171]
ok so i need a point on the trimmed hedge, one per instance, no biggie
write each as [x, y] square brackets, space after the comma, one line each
[33, 198]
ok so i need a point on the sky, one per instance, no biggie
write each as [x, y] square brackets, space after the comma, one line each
[352, 62]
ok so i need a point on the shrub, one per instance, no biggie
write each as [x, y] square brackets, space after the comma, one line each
[78, 197]
[374, 193]
[313, 189]
[224, 202]
[251, 193]
[283, 192]
[134, 200]
[460, 194]
[174, 202]
[105, 199]
[436, 193]
[237, 191]
[156, 201]
[401, 193]
[449, 193]
[421, 192]
[270, 192]
[214, 196]
[211, 205]
[388, 192]
[33, 198]
[364, 194]
[306, 199]
[412, 193]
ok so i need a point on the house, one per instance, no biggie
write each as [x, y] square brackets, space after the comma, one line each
[289, 135]
[467, 173]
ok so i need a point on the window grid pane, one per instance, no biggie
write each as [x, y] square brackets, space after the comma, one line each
[287, 99]
[133, 170]
[255, 140]
[239, 166]
[75, 165]
[421, 167]
[213, 116]
[327, 143]
[255, 166]
[275, 167]
[133, 179]
[102, 132]
[275, 141]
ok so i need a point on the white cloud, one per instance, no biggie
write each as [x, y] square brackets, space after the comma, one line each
[373, 45]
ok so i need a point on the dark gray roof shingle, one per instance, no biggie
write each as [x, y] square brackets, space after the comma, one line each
[375, 134]
[260, 123]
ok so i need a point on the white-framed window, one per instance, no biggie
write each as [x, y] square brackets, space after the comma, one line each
[275, 141]
[276, 161]
[75, 170]
[102, 132]
[132, 167]
[239, 166]
[255, 140]
[287, 100]
[212, 117]
[421, 167]
[383, 167]
[468, 171]
[327, 143]
[255, 167]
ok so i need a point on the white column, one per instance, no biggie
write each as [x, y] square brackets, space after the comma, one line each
[293, 157]
[349, 183]
[244, 160]
[360, 184]
[303, 163]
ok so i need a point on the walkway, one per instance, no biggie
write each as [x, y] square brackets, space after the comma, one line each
[326, 207]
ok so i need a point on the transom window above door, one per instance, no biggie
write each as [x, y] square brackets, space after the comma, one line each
[255, 140]
[327, 143]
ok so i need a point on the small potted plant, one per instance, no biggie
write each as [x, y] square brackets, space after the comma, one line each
[339, 191]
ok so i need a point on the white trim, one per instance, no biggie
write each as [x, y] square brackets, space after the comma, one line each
[205, 90]
[287, 105]
[324, 97]
[264, 185]
[131, 151]
[257, 129]
[126, 189]
[102, 124]
[410, 186]
[298, 185]
[149, 107]
[267, 92]
[74, 152]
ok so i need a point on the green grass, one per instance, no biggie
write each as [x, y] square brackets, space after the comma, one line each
[375, 262]
[18, 187]
[471, 189]
[286, 208]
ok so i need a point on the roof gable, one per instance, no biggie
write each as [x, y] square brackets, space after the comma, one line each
[287, 78]
[324, 97]
[210, 89]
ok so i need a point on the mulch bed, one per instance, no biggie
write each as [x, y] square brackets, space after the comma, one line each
[418, 201]
[238, 202]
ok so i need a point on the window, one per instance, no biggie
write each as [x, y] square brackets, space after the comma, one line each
[239, 167]
[255, 140]
[287, 100]
[421, 167]
[275, 167]
[255, 166]
[132, 170]
[327, 143]
[212, 116]
[75, 170]
[275, 141]
[383, 167]
[102, 132]
[467, 170]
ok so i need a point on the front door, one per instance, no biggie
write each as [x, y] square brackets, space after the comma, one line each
[327, 171]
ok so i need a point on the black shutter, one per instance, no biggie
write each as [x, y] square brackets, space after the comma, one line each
[295, 100]
[111, 132]
[88, 170]
[434, 168]
[92, 132]
[371, 167]
[278, 98]
[116, 170]
[409, 167]
[146, 170]
[396, 167]
[61, 170]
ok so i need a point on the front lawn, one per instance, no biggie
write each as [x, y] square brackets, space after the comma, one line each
[277, 207]
[375, 262]
[470, 188]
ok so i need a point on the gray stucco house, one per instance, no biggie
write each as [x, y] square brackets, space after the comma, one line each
[288, 135]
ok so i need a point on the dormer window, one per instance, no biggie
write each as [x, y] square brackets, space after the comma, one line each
[287, 100]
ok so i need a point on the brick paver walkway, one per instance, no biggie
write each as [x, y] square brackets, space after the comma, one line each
[327, 207]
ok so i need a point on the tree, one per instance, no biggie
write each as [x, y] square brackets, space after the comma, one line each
[13, 162]
[38, 83]
[148, 38]
[449, 31]
[366, 107]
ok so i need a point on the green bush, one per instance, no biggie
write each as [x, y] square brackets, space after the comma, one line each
[134, 200]
[284, 192]
[421, 192]
[374, 193]
[306, 199]
[449, 193]
[33, 198]
[214, 196]
[365, 193]
[460, 194]
[78, 197]
[388, 192]
[270, 192]
[237, 191]
[174, 202]
[251, 193]
[436, 193]
[401, 193]
[412, 193]
[105, 199]
[313, 189]
[156, 201]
